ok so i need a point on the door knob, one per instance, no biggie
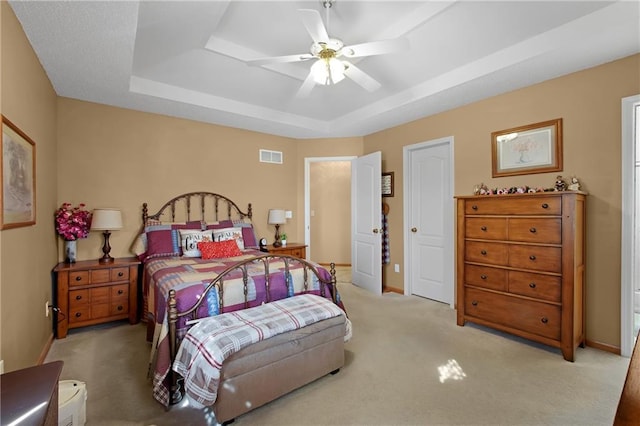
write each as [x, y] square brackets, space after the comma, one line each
[375, 231]
[414, 229]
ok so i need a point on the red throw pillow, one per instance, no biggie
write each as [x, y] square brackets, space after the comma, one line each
[218, 249]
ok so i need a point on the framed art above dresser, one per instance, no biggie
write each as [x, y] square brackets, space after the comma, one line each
[521, 265]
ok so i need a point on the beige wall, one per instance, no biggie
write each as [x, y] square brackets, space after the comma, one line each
[29, 253]
[112, 157]
[589, 102]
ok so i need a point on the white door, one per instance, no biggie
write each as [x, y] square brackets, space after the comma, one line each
[630, 266]
[366, 222]
[429, 219]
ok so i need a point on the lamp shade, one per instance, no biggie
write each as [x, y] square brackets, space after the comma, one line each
[277, 217]
[106, 220]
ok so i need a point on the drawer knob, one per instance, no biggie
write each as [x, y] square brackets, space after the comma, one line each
[532, 285]
[120, 291]
[78, 314]
[78, 278]
[544, 320]
[532, 257]
[483, 252]
[119, 307]
[78, 297]
[474, 302]
[532, 230]
[120, 273]
[483, 276]
[483, 228]
[545, 206]
[474, 207]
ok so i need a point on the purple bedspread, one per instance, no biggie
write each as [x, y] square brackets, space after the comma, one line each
[190, 276]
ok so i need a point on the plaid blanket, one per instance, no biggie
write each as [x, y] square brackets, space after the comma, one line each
[214, 339]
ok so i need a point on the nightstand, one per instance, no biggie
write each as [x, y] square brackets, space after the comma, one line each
[291, 249]
[89, 292]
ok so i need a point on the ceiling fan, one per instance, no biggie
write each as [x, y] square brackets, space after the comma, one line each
[327, 52]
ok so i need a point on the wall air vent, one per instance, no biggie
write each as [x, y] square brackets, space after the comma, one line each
[273, 157]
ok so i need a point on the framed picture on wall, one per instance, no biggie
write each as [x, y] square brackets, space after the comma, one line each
[534, 148]
[18, 177]
[387, 184]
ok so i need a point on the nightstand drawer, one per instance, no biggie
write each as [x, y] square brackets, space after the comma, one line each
[119, 274]
[79, 314]
[99, 276]
[77, 298]
[119, 308]
[79, 278]
[119, 291]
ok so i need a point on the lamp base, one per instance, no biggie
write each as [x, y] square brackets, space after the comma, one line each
[277, 244]
[106, 248]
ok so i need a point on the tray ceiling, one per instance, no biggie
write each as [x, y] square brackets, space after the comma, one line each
[188, 59]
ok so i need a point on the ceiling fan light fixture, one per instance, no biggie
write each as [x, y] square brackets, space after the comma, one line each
[328, 71]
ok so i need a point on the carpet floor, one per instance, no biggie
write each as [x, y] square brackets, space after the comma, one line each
[408, 363]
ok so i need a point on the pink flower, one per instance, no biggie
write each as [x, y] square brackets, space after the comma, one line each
[73, 223]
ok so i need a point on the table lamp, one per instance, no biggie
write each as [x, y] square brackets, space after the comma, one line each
[106, 220]
[277, 218]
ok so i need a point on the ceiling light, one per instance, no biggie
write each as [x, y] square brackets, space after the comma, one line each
[328, 71]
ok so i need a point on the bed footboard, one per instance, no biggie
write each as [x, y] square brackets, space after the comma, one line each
[310, 272]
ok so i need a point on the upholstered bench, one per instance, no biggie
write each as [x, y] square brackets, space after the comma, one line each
[273, 367]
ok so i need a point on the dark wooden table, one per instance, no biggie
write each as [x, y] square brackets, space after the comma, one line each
[30, 396]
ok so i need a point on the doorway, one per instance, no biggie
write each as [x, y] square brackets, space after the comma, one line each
[630, 238]
[327, 209]
[429, 220]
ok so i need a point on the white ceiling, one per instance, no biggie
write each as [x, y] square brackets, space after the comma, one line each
[187, 59]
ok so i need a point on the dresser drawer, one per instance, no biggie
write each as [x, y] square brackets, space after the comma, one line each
[514, 206]
[488, 228]
[77, 278]
[539, 258]
[546, 287]
[533, 317]
[547, 231]
[486, 252]
[487, 277]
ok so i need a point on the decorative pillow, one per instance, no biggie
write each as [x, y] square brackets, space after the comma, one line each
[161, 239]
[229, 234]
[248, 235]
[217, 250]
[189, 240]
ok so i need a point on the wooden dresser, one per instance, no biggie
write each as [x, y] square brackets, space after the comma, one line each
[90, 292]
[521, 265]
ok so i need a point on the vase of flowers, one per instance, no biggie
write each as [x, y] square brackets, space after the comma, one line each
[72, 223]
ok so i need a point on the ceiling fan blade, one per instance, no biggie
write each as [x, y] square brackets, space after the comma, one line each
[306, 87]
[375, 48]
[360, 77]
[313, 23]
[280, 59]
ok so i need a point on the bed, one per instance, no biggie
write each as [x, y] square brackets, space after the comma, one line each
[227, 274]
